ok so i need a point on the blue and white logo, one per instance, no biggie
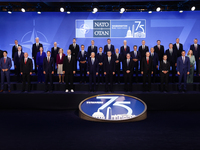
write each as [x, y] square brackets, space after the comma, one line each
[112, 107]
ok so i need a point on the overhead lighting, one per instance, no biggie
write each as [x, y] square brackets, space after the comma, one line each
[193, 8]
[10, 12]
[122, 10]
[150, 12]
[62, 9]
[68, 12]
[23, 10]
[94, 10]
[158, 9]
[180, 11]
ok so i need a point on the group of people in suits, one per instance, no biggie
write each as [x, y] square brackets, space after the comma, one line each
[103, 64]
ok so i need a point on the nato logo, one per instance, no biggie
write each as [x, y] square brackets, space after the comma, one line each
[112, 108]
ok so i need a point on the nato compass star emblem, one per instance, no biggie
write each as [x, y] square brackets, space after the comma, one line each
[29, 39]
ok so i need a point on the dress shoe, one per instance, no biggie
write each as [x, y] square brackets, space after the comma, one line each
[1, 91]
[9, 91]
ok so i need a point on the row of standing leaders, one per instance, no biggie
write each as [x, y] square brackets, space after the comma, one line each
[104, 63]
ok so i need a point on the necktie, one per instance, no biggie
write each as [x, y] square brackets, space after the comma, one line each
[74, 46]
[178, 46]
[143, 47]
[117, 55]
[25, 61]
[69, 59]
[135, 53]
[48, 59]
[4, 60]
[128, 62]
[183, 59]
[109, 60]
[92, 61]
[82, 53]
[195, 47]
[158, 47]
[92, 47]
[147, 61]
[125, 49]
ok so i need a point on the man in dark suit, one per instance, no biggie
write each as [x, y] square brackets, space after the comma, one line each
[82, 58]
[164, 73]
[26, 69]
[5, 65]
[54, 52]
[19, 55]
[91, 48]
[109, 47]
[48, 70]
[117, 57]
[155, 60]
[100, 57]
[128, 72]
[69, 69]
[1, 53]
[143, 49]
[135, 56]
[92, 71]
[196, 52]
[109, 70]
[159, 49]
[178, 47]
[172, 59]
[147, 70]
[15, 49]
[35, 49]
[74, 50]
[124, 50]
[183, 69]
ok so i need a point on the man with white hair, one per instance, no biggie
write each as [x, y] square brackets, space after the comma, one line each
[91, 48]
[124, 50]
[35, 49]
[54, 52]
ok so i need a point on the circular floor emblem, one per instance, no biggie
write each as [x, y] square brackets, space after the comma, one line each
[112, 107]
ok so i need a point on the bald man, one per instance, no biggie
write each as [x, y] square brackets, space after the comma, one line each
[54, 52]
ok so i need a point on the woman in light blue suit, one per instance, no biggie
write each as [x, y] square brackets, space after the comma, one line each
[39, 61]
[192, 63]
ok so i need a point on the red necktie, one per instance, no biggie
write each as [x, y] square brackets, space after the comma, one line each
[158, 48]
[25, 61]
[125, 49]
[4, 60]
[147, 61]
[195, 47]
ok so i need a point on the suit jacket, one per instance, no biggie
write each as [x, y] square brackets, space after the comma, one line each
[160, 51]
[112, 49]
[35, 49]
[93, 69]
[58, 60]
[82, 57]
[75, 50]
[123, 52]
[119, 57]
[6, 65]
[14, 50]
[17, 59]
[183, 66]
[100, 58]
[1, 53]
[26, 68]
[90, 50]
[39, 59]
[138, 56]
[155, 59]
[143, 51]
[164, 67]
[127, 67]
[54, 53]
[147, 67]
[48, 67]
[178, 51]
[172, 59]
[196, 53]
[69, 67]
[109, 67]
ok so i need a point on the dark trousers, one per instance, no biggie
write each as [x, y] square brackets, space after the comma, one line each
[164, 78]
[173, 71]
[154, 73]
[26, 77]
[92, 81]
[128, 79]
[109, 79]
[101, 74]
[135, 69]
[17, 73]
[117, 72]
[183, 75]
[3, 75]
[48, 77]
[69, 79]
[197, 65]
[147, 77]
[40, 74]
[35, 64]
[82, 72]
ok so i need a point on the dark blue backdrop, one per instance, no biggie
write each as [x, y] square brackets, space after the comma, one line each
[60, 27]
